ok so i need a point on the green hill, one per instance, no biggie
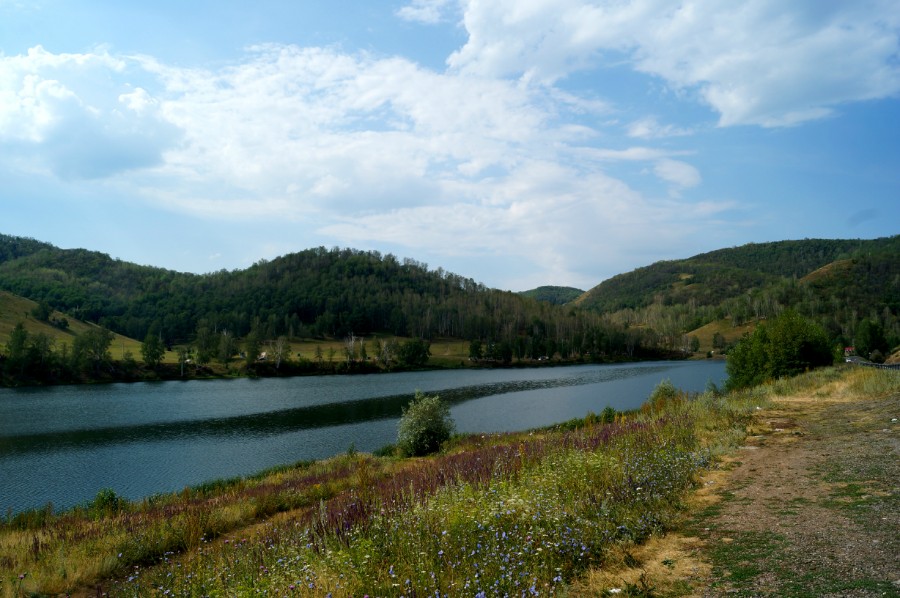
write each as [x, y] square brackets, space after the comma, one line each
[837, 283]
[554, 295]
[711, 278]
[317, 293]
[336, 294]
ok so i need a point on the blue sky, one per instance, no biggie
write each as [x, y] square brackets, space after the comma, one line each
[516, 142]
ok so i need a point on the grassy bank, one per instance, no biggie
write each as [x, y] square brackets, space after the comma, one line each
[529, 513]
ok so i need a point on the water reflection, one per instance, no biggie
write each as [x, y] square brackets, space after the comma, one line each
[300, 418]
[64, 444]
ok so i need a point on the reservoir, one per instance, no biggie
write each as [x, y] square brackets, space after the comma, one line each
[63, 444]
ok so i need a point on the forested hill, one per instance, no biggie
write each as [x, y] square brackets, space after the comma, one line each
[316, 292]
[841, 284]
[715, 277]
[554, 295]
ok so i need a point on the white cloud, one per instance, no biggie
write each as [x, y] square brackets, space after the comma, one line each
[649, 128]
[631, 154]
[429, 12]
[361, 149]
[62, 112]
[681, 174]
[139, 101]
[764, 62]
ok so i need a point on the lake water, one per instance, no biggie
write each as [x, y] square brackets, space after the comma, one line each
[63, 444]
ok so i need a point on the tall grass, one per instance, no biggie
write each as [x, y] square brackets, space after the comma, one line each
[52, 553]
[504, 519]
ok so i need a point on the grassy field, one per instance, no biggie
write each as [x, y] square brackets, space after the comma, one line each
[731, 333]
[15, 309]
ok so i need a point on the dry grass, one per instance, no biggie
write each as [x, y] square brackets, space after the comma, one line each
[730, 333]
[15, 309]
[662, 566]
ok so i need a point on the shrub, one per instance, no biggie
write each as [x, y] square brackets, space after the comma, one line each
[107, 502]
[608, 415]
[787, 346]
[425, 424]
[414, 353]
[664, 395]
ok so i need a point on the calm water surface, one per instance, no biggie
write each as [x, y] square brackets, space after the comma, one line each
[63, 444]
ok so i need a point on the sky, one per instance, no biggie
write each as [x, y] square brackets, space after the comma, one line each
[515, 142]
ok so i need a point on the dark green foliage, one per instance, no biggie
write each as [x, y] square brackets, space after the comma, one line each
[317, 292]
[91, 348]
[15, 346]
[695, 344]
[711, 278]
[227, 347]
[414, 352]
[252, 347]
[31, 358]
[42, 312]
[340, 293]
[152, 350]
[870, 339]
[554, 295]
[608, 415]
[107, 502]
[207, 343]
[718, 341]
[12, 248]
[786, 346]
[424, 426]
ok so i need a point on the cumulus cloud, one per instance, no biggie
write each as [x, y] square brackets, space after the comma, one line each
[498, 154]
[63, 112]
[765, 62]
[567, 225]
[320, 129]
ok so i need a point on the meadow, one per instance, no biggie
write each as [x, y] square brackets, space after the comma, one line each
[505, 514]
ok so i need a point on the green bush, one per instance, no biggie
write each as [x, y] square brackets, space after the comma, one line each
[787, 346]
[107, 502]
[425, 424]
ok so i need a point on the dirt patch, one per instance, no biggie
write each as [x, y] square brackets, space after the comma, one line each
[809, 506]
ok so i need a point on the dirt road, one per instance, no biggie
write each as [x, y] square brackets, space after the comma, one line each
[810, 506]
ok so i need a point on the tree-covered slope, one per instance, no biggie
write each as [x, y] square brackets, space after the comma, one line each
[714, 277]
[554, 295]
[316, 292]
